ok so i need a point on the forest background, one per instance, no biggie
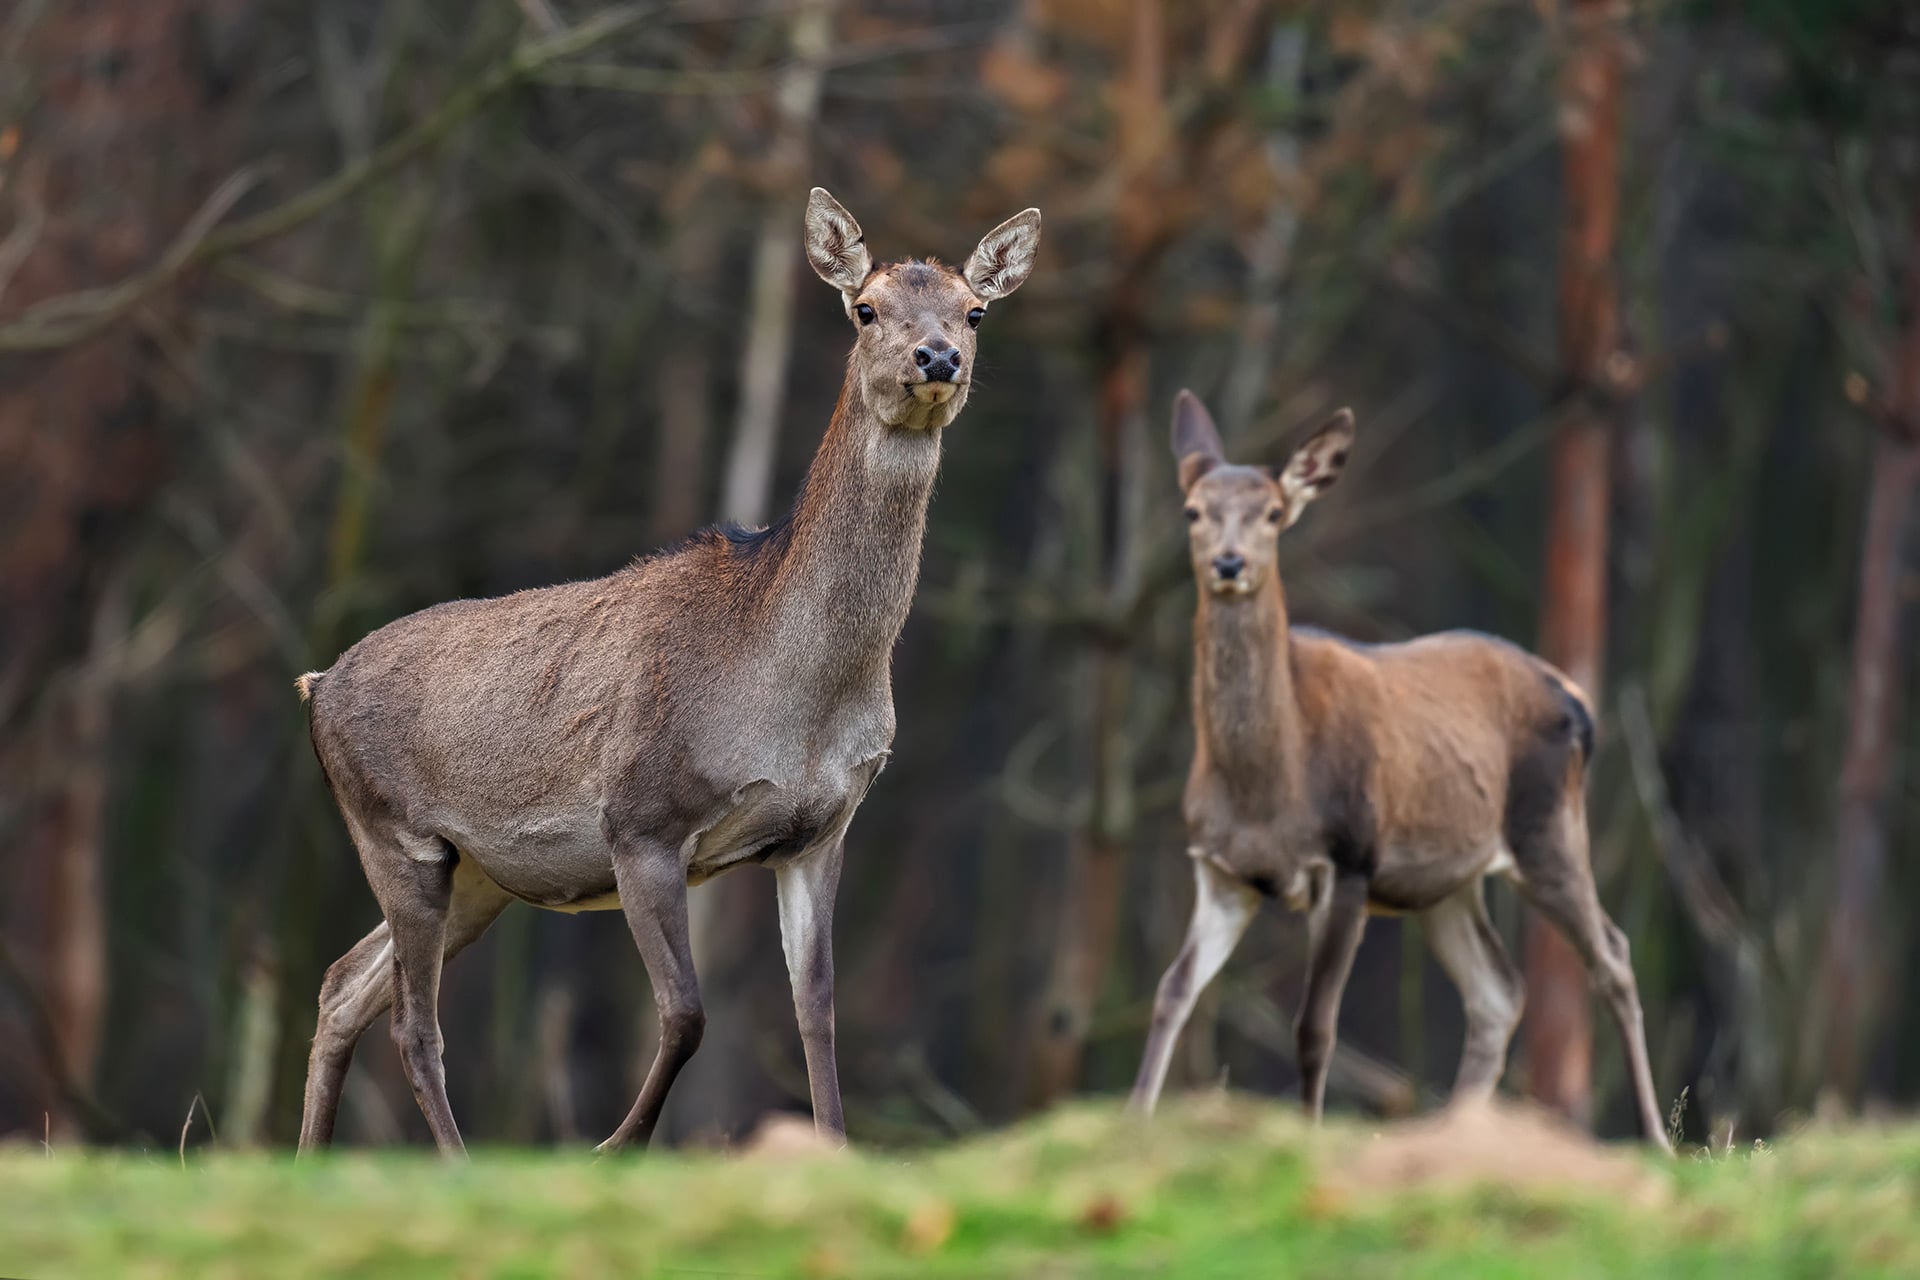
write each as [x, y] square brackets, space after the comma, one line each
[311, 316]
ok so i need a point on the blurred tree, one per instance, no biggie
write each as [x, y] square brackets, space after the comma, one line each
[1558, 1030]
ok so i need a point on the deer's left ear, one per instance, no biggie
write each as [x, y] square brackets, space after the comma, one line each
[1316, 464]
[1004, 257]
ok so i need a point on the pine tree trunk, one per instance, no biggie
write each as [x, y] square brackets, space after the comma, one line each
[1559, 1023]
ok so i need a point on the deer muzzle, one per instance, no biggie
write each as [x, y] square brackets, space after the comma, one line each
[934, 392]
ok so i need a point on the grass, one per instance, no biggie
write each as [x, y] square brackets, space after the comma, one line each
[1218, 1187]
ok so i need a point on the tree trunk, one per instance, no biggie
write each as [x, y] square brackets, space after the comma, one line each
[768, 341]
[1095, 861]
[1559, 1024]
[685, 391]
[112, 92]
[1848, 995]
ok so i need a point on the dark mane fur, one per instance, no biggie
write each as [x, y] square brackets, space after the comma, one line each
[742, 543]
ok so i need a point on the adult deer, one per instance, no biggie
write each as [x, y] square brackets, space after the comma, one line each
[606, 744]
[1348, 779]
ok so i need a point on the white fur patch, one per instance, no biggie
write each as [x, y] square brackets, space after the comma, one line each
[1223, 906]
[430, 850]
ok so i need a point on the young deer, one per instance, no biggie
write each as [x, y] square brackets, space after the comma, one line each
[1348, 779]
[606, 744]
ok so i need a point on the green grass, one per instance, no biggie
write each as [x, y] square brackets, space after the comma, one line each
[1220, 1187]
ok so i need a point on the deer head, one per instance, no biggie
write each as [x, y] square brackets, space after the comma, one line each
[1235, 515]
[915, 321]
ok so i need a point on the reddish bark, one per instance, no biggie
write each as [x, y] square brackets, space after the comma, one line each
[1161, 157]
[116, 89]
[1083, 948]
[1559, 1025]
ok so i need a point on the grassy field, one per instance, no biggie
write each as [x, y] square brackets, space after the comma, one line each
[1218, 1187]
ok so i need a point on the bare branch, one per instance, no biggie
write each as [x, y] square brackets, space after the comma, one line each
[541, 17]
[71, 318]
[1705, 895]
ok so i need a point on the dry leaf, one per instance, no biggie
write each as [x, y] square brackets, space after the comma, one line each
[928, 1227]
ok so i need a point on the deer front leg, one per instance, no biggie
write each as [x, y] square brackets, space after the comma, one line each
[1222, 909]
[1333, 938]
[653, 893]
[806, 890]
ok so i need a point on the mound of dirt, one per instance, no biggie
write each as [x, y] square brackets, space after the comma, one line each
[1501, 1145]
[781, 1135]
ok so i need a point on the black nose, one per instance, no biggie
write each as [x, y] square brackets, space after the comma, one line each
[940, 358]
[1229, 565]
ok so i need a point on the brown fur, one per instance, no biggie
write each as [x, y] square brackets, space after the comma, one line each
[604, 744]
[1350, 779]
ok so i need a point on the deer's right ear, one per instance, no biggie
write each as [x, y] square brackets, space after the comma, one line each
[836, 246]
[1196, 441]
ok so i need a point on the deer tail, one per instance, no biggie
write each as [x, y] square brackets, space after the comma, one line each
[306, 683]
[1579, 711]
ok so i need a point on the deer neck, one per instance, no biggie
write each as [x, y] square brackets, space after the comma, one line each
[1245, 710]
[846, 581]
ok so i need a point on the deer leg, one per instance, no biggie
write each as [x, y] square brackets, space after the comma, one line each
[653, 893]
[417, 898]
[1557, 878]
[806, 891]
[359, 988]
[1222, 909]
[1334, 927]
[1491, 990]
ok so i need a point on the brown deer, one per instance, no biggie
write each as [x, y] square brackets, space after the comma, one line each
[604, 745]
[1346, 779]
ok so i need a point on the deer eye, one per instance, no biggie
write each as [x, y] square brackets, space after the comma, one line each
[865, 313]
[1273, 515]
[1193, 515]
[974, 317]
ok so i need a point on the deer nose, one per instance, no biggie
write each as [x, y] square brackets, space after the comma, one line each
[1228, 566]
[940, 359]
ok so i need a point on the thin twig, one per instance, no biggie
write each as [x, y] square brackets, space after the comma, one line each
[71, 318]
[187, 1124]
[1705, 894]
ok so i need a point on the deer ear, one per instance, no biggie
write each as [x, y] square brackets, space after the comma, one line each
[836, 246]
[1196, 441]
[1004, 257]
[1317, 463]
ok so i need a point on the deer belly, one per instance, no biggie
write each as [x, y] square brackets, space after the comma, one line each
[555, 859]
[1414, 877]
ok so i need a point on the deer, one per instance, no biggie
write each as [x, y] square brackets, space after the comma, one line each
[1345, 780]
[608, 744]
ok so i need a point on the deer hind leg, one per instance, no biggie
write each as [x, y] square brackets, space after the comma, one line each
[358, 988]
[1556, 876]
[1334, 927]
[1491, 990]
[1222, 909]
[653, 893]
